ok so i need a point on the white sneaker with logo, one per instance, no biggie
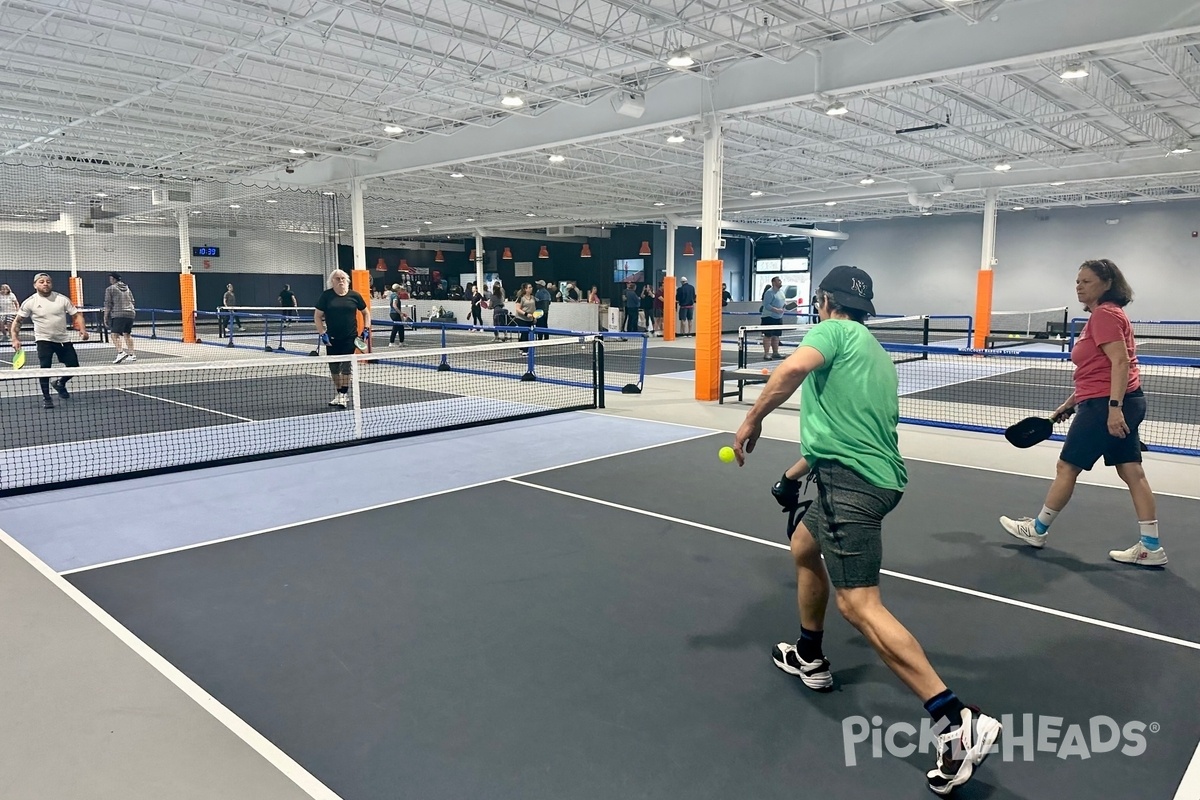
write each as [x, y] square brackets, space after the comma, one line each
[1024, 530]
[1140, 555]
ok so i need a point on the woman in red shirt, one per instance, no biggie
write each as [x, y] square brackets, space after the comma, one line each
[1109, 407]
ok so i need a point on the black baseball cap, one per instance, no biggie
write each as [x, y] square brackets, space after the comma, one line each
[851, 287]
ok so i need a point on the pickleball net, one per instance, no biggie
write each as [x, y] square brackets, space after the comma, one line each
[124, 421]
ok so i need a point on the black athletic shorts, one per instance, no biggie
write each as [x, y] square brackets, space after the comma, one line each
[120, 325]
[64, 350]
[773, 322]
[846, 522]
[1088, 437]
[340, 347]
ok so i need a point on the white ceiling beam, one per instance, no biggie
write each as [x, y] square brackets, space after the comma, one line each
[1027, 31]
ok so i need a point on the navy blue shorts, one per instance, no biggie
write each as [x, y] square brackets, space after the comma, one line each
[1088, 437]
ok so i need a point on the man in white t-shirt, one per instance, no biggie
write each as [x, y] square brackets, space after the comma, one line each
[49, 311]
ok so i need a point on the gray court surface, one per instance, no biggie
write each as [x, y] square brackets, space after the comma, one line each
[662, 360]
[513, 640]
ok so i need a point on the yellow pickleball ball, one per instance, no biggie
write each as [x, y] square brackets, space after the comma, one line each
[726, 455]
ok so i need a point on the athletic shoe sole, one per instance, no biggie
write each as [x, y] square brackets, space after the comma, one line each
[987, 730]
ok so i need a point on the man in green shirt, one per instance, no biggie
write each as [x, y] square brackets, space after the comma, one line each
[849, 410]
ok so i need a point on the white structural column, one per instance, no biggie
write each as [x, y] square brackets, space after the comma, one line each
[987, 260]
[710, 216]
[479, 264]
[357, 225]
[182, 220]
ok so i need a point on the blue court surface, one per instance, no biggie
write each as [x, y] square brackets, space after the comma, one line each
[584, 607]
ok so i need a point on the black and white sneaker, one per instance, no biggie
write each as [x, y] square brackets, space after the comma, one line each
[121, 356]
[47, 402]
[961, 749]
[61, 388]
[815, 674]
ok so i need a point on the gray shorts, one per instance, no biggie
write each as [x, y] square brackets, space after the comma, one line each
[846, 522]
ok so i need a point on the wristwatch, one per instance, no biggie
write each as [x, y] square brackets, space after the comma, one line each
[1114, 403]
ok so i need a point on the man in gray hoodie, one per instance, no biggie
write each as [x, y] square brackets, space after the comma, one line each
[119, 312]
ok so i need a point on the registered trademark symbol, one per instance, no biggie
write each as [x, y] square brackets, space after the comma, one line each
[1155, 727]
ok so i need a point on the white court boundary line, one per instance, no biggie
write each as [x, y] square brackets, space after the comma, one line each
[301, 777]
[187, 405]
[375, 507]
[890, 573]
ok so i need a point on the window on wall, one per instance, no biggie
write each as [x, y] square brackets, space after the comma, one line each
[794, 272]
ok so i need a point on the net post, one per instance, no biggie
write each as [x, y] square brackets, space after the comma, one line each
[187, 305]
[529, 376]
[76, 289]
[598, 370]
[708, 329]
[444, 366]
[356, 395]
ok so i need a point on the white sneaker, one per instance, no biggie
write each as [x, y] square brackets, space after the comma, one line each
[815, 674]
[120, 357]
[1023, 530]
[133, 356]
[343, 400]
[1140, 555]
[961, 749]
[336, 401]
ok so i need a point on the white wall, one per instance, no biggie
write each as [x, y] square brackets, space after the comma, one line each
[928, 265]
[248, 252]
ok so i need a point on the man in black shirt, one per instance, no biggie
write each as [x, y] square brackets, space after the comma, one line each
[336, 319]
[287, 301]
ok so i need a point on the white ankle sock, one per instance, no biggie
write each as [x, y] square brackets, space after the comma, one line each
[1044, 518]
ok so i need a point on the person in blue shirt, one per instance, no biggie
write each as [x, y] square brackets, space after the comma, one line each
[773, 306]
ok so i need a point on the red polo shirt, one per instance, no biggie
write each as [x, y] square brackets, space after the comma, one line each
[1093, 369]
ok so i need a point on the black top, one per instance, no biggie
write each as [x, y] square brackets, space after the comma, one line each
[340, 321]
[287, 299]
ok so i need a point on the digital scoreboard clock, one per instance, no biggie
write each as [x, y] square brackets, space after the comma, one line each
[206, 252]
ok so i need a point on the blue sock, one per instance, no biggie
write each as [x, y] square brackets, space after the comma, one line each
[945, 705]
[1149, 534]
[1041, 523]
[809, 645]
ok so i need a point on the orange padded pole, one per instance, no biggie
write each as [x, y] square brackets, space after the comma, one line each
[360, 281]
[76, 291]
[669, 309]
[708, 330]
[983, 308]
[187, 304]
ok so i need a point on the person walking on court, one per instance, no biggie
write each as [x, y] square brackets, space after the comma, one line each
[287, 301]
[633, 304]
[849, 413]
[773, 307]
[229, 301]
[499, 315]
[49, 311]
[119, 313]
[1109, 407]
[685, 297]
[396, 312]
[476, 306]
[9, 303]
[336, 318]
[542, 297]
[523, 310]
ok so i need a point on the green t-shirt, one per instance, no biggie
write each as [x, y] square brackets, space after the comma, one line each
[850, 407]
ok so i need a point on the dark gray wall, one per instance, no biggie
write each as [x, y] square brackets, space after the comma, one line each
[928, 265]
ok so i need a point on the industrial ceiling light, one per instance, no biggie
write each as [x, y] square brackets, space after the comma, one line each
[543, 252]
[1058, 183]
[530, 214]
[1003, 166]
[675, 138]
[680, 59]
[645, 249]
[470, 219]
[439, 258]
[838, 109]
[101, 194]
[1125, 202]
[393, 129]
[867, 181]
[1181, 148]
[586, 252]
[756, 193]
[383, 226]
[234, 205]
[297, 151]
[557, 158]
[926, 213]
[688, 250]
[507, 254]
[1074, 72]
[512, 100]
[659, 204]
[1018, 208]
[456, 174]
[831, 203]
